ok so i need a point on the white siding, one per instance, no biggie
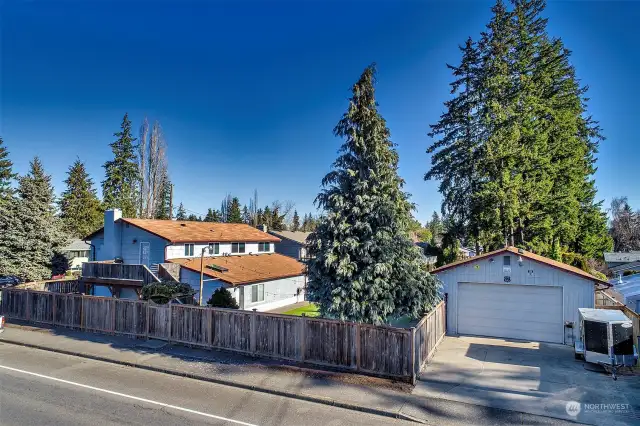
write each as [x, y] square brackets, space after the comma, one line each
[277, 293]
[578, 292]
[176, 251]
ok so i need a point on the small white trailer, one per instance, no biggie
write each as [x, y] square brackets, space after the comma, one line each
[606, 338]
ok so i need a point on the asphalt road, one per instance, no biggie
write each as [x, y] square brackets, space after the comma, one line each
[44, 388]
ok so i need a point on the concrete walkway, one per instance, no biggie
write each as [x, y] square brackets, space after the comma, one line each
[372, 395]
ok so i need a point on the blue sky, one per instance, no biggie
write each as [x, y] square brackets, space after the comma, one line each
[248, 92]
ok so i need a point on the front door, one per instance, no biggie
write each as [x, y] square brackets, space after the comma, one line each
[144, 253]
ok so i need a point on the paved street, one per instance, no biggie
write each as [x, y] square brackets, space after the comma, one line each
[39, 387]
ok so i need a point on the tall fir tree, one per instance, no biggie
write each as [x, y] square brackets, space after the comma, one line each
[295, 222]
[120, 187]
[246, 216]
[36, 235]
[181, 213]
[213, 216]
[80, 208]
[6, 173]
[164, 203]
[363, 265]
[234, 215]
[532, 152]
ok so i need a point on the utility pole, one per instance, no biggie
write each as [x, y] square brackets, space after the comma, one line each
[171, 202]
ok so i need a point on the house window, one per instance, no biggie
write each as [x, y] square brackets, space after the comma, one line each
[507, 260]
[237, 247]
[188, 249]
[264, 246]
[214, 248]
[257, 293]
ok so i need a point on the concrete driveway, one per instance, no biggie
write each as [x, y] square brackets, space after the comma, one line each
[531, 377]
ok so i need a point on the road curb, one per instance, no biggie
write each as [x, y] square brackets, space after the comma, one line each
[299, 396]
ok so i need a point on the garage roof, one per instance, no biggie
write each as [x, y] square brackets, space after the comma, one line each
[526, 254]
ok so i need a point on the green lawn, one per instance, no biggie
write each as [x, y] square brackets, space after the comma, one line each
[310, 310]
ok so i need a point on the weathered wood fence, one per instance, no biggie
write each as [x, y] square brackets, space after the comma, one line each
[378, 350]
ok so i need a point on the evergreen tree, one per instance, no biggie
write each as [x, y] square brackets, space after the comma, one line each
[516, 148]
[246, 216]
[6, 173]
[234, 214]
[119, 189]
[295, 224]
[181, 214]
[164, 202]
[194, 218]
[35, 236]
[212, 216]
[363, 265]
[80, 208]
[222, 298]
[277, 220]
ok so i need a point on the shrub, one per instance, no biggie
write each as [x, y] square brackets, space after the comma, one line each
[222, 298]
[165, 291]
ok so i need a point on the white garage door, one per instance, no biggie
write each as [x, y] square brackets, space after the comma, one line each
[513, 311]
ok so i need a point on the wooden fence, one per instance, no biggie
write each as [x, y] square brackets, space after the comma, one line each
[377, 350]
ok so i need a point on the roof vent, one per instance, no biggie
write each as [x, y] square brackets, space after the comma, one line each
[520, 251]
[183, 224]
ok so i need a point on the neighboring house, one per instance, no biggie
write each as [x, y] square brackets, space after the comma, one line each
[466, 252]
[512, 293]
[626, 290]
[240, 255]
[618, 262]
[292, 243]
[78, 252]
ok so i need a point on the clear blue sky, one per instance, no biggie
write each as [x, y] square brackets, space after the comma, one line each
[248, 92]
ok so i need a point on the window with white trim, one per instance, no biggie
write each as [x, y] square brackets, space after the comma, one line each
[237, 247]
[257, 293]
[214, 248]
[264, 246]
[188, 249]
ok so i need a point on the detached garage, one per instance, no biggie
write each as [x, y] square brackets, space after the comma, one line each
[515, 294]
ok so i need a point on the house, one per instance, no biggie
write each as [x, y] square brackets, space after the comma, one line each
[626, 290]
[618, 262]
[466, 252]
[236, 256]
[513, 293]
[77, 252]
[292, 243]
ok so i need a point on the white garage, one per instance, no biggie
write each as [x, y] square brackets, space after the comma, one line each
[515, 294]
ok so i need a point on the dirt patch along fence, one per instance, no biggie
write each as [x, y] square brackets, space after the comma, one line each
[384, 351]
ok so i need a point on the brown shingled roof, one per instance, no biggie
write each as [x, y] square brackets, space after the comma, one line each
[180, 231]
[245, 269]
[528, 255]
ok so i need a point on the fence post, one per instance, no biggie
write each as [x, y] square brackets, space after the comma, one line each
[358, 345]
[146, 333]
[170, 321]
[209, 339]
[414, 369]
[252, 342]
[303, 336]
[82, 312]
[53, 308]
[28, 305]
[113, 315]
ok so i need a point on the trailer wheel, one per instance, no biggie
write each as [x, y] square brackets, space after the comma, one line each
[577, 355]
